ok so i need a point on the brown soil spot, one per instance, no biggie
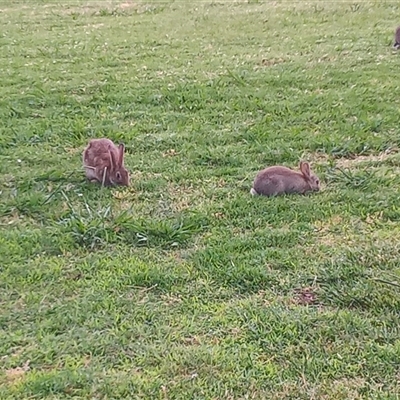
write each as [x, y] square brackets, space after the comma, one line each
[305, 296]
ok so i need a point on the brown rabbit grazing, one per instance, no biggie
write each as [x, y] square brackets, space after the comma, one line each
[279, 180]
[104, 162]
[397, 38]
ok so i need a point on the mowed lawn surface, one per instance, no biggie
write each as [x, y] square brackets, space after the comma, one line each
[183, 286]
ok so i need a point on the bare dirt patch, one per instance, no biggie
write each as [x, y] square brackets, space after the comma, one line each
[14, 374]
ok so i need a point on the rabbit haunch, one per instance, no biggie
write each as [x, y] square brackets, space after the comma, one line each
[276, 180]
[397, 38]
[104, 162]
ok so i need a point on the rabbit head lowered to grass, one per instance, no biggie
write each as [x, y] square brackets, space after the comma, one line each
[397, 38]
[104, 162]
[276, 180]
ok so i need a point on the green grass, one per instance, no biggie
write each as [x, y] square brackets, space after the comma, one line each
[183, 286]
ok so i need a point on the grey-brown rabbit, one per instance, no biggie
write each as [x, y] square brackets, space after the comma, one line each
[397, 38]
[104, 163]
[277, 180]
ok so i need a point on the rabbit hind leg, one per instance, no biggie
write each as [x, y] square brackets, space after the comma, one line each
[91, 174]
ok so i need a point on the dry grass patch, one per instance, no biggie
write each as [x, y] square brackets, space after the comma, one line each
[13, 375]
[346, 162]
[184, 196]
[317, 158]
[335, 222]
[342, 389]
[344, 236]
[348, 387]
[270, 62]
[359, 159]
[331, 232]
[101, 7]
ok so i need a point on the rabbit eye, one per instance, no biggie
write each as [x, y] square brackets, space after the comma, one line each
[118, 175]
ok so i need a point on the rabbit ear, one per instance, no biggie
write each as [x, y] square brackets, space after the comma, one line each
[305, 169]
[114, 161]
[121, 149]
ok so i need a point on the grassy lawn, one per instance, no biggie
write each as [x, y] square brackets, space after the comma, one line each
[183, 286]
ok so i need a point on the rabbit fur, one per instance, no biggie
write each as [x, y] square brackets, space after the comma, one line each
[277, 180]
[103, 162]
[397, 38]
